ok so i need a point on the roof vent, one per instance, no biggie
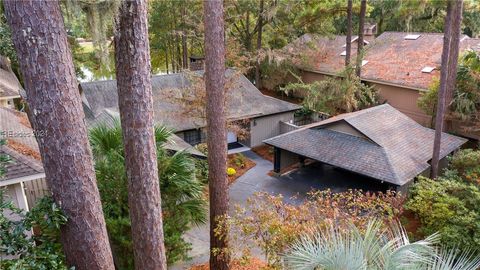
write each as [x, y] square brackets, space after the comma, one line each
[344, 53]
[428, 69]
[412, 37]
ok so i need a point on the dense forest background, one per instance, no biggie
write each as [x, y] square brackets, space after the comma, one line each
[253, 30]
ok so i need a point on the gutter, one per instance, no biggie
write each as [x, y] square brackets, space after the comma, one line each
[21, 179]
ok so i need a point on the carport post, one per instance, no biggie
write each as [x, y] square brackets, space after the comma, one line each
[276, 159]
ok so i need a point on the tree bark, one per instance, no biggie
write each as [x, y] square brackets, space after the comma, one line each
[216, 128]
[453, 54]
[452, 22]
[41, 44]
[361, 26]
[258, 83]
[184, 38]
[135, 100]
[349, 33]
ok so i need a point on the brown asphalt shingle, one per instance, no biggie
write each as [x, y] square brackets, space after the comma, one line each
[391, 58]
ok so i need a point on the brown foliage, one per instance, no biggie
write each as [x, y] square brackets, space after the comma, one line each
[273, 225]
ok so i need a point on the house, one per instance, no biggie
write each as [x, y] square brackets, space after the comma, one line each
[24, 178]
[179, 101]
[401, 66]
[380, 143]
[9, 85]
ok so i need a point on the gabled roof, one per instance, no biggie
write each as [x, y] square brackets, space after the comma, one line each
[172, 91]
[9, 84]
[21, 147]
[391, 57]
[393, 148]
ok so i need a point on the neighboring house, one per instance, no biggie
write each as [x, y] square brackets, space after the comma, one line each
[9, 85]
[179, 100]
[401, 66]
[24, 180]
[380, 143]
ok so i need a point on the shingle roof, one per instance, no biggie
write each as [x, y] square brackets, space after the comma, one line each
[109, 117]
[321, 53]
[19, 166]
[244, 100]
[21, 146]
[9, 84]
[397, 148]
[391, 58]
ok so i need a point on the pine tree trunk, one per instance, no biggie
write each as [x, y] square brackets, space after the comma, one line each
[135, 100]
[216, 127]
[349, 33]
[41, 44]
[447, 74]
[258, 84]
[361, 27]
[453, 54]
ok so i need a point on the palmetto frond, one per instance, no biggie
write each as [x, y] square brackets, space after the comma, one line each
[373, 248]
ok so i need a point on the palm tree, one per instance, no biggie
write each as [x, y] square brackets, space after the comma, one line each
[374, 248]
[183, 204]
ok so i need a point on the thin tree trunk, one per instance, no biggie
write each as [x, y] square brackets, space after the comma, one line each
[135, 100]
[216, 128]
[184, 38]
[452, 21]
[349, 33]
[166, 58]
[361, 26]
[41, 44]
[258, 84]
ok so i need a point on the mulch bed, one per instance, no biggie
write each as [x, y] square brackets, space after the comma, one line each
[241, 170]
[265, 151]
[252, 264]
[412, 224]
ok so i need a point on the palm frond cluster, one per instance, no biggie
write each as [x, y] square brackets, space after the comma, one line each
[374, 248]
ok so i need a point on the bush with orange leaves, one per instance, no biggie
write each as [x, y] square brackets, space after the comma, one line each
[269, 223]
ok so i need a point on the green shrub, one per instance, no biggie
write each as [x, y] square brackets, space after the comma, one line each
[40, 251]
[183, 204]
[450, 204]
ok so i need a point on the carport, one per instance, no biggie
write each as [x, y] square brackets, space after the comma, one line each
[380, 143]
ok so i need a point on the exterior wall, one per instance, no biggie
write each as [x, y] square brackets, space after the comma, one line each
[35, 190]
[404, 100]
[262, 128]
[287, 127]
[16, 194]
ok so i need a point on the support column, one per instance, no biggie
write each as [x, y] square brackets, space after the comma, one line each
[276, 159]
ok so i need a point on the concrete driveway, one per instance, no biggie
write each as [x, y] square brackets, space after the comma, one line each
[296, 183]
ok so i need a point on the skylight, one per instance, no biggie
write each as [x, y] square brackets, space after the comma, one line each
[427, 69]
[344, 53]
[412, 37]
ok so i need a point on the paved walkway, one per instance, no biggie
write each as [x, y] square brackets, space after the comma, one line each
[298, 184]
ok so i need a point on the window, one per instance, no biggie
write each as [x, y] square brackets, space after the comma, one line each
[193, 136]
